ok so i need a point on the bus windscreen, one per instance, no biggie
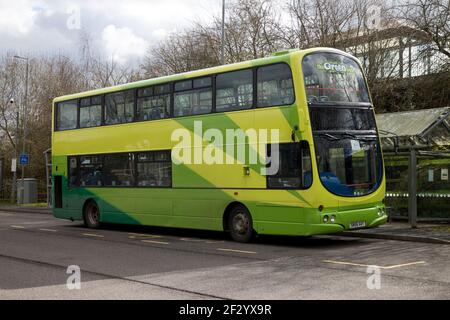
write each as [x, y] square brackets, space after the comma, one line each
[331, 77]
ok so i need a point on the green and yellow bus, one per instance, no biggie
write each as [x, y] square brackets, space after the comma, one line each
[192, 150]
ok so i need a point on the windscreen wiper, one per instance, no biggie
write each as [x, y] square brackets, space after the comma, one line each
[355, 137]
[329, 136]
[343, 135]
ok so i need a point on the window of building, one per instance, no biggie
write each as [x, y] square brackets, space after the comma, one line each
[91, 112]
[275, 86]
[153, 103]
[119, 107]
[154, 169]
[193, 97]
[67, 115]
[118, 170]
[294, 166]
[234, 90]
[91, 171]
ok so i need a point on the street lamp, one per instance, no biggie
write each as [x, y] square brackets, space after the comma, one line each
[16, 146]
[222, 55]
[25, 109]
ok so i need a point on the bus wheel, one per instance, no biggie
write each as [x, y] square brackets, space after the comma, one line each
[91, 215]
[240, 224]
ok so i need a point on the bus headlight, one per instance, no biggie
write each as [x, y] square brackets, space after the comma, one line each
[381, 212]
[325, 219]
[332, 218]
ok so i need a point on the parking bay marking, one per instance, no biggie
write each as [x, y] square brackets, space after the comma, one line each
[155, 242]
[369, 265]
[48, 230]
[141, 235]
[93, 235]
[238, 251]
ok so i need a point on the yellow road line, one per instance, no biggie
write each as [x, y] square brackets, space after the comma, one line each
[49, 230]
[156, 242]
[369, 265]
[17, 227]
[239, 251]
[93, 235]
[404, 264]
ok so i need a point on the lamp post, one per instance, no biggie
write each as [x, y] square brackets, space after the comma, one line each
[16, 146]
[222, 55]
[25, 109]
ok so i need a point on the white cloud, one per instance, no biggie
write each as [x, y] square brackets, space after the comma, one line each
[122, 29]
[122, 44]
[17, 17]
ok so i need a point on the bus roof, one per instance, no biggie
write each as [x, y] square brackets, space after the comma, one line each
[281, 56]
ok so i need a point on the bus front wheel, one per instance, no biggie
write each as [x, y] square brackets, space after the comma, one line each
[240, 224]
[91, 215]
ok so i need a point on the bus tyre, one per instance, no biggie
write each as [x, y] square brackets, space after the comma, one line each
[240, 224]
[91, 215]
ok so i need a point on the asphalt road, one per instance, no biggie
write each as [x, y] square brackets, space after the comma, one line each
[123, 262]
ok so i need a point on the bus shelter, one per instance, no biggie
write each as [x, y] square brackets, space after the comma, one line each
[416, 148]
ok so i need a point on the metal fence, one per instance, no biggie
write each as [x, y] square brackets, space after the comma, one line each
[433, 187]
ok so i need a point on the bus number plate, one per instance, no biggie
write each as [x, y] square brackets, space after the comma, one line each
[357, 224]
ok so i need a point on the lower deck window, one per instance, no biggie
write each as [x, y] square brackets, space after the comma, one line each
[91, 171]
[154, 169]
[142, 169]
[118, 170]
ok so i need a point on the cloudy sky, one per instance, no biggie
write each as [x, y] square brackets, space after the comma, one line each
[120, 29]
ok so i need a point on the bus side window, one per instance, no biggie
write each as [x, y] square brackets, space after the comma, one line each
[294, 166]
[193, 97]
[91, 171]
[67, 115]
[234, 90]
[275, 86]
[119, 107]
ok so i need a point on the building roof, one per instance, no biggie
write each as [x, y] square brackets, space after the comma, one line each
[418, 123]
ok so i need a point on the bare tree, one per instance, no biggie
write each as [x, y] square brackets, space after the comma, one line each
[431, 18]
[252, 30]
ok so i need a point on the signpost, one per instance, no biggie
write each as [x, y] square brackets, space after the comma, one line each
[24, 159]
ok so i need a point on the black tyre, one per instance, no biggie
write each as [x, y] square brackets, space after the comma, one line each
[240, 224]
[91, 215]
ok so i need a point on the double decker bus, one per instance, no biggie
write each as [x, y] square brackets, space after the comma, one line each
[135, 153]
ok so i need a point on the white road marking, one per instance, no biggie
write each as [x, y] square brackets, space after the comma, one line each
[156, 242]
[239, 251]
[17, 227]
[93, 235]
[48, 230]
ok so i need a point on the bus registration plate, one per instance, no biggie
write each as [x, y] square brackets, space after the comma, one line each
[357, 224]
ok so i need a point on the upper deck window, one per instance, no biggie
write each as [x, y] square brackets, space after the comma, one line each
[275, 86]
[67, 115]
[234, 90]
[119, 107]
[331, 77]
[193, 97]
[91, 112]
[153, 103]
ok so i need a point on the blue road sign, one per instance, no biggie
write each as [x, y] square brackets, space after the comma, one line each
[24, 159]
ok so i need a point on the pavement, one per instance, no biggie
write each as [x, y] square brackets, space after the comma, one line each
[401, 231]
[135, 262]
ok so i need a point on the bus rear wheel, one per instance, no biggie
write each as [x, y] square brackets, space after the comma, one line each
[91, 215]
[240, 224]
